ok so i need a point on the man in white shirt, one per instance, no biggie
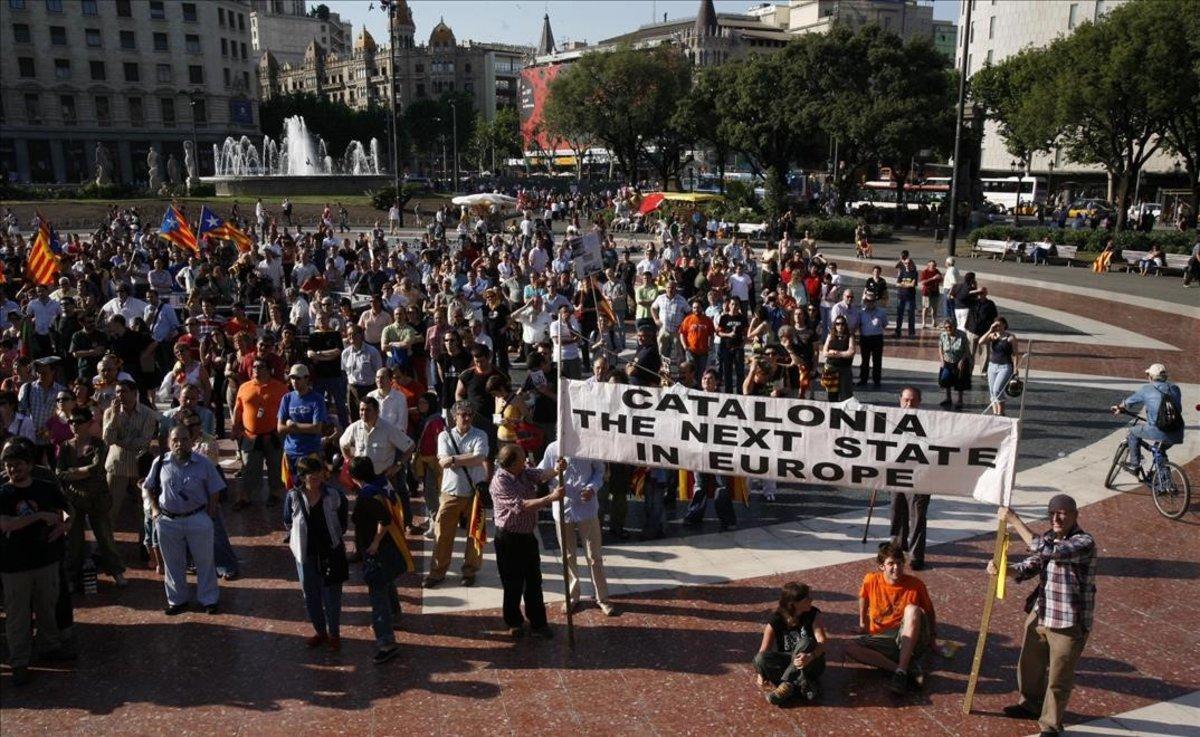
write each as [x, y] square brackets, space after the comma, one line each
[668, 311]
[44, 312]
[535, 323]
[564, 332]
[393, 405]
[462, 453]
[385, 444]
[740, 284]
[123, 305]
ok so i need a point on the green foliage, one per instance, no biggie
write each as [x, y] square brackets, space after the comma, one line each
[336, 123]
[427, 122]
[837, 230]
[1088, 240]
[382, 199]
[1014, 95]
[625, 100]
[1177, 35]
[319, 11]
[88, 191]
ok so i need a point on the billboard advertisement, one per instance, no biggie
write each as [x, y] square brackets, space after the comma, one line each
[535, 89]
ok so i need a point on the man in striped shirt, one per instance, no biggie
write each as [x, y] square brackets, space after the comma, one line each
[515, 503]
[1060, 612]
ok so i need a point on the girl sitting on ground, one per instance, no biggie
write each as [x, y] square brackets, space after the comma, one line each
[791, 656]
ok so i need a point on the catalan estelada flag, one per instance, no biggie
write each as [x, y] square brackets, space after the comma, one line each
[686, 481]
[477, 529]
[42, 265]
[395, 528]
[175, 229]
[211, 225]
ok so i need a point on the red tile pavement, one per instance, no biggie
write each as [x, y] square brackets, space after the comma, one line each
[676, 662]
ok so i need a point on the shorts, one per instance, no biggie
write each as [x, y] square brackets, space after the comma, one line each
[887, 643]
[930, 301]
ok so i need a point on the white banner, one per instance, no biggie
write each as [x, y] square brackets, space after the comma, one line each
[792, 440]
[586, 258]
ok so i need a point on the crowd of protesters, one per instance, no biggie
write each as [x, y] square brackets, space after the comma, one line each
[371, 382]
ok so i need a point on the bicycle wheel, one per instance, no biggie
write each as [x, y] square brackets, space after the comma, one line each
[1115, 468]
[1171, 491]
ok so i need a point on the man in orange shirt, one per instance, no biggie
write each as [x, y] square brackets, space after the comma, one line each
[240, 323]
[895, 619]
[696, 332]
[255, 416]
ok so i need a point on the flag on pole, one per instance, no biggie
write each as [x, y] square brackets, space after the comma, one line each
[686, 481]
[1002, 567]
[211, 225]
[175, 229]
[42, 265]
[477, 530]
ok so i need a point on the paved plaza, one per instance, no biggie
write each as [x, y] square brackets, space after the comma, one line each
[677, 660]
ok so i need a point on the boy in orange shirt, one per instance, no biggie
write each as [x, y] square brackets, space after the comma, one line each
[696, 333]
[896, 621]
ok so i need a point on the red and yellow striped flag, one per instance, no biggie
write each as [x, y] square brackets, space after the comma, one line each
[43, 266]
[477, 529]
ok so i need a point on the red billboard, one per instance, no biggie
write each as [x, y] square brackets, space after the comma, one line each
[535, 90]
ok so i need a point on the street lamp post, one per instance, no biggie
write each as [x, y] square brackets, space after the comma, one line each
[956, 173]
[454, 118]
[1050, 198]
[1018, 167]
[194, 98]
[390, 8]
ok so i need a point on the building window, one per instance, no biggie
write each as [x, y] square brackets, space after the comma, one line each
[246, 80]
[166, 107]
[21, 33]
[91, 36]
[137, 115]
[164, 73]
[991, 27]
[157, 10]
[192, 42]
[88, 7]
[420, 69]
[128, 40]
[224, 47]
[200, 113]
[131, 72]
[53, 6]
[124, 10]
[98, 72]
[241, 22]
[69, 116]
[103, 111]
[58, 35]
[26, 67]
[189, 12]
[221, 17]
[161, 43]
[988, 61]
[1073, 15]
[16, 4]
[196, 74]
[226, 75]
[33, 107]
[243, 45]
[62, 68]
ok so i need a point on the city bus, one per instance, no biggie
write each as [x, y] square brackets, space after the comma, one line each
[1003, 193]
[880, 194]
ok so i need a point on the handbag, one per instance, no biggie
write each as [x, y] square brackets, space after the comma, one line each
[947, 376]
[335, 567]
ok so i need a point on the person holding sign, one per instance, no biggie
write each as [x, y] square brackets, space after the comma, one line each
[896, 619]
[1060, 611]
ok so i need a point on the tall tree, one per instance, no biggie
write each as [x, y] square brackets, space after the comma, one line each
[1106, 80]
[697, 118]
[1013, 95]
[620, 96]
[567, 123]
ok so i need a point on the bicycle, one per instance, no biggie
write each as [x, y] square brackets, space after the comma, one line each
[1169, 486]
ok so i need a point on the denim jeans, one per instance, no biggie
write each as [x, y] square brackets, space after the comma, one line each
[224, 558]
[699, 360]
[905, 303]
[998, 375]
[731, 363]
[176, 538]
[722, 500]
[322, 601]
[1141, 432]
[335, 387]
[380, 572]
[656, 485]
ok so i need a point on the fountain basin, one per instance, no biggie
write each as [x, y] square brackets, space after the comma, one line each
[280, 185]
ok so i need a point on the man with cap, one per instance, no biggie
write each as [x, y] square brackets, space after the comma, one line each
[301, 418]
[36, 399]
[1060, 612]
[1152, 396]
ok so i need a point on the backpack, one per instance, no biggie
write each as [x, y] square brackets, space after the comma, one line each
[1170, 415]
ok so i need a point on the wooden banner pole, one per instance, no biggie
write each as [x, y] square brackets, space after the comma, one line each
[560, 423]
[994, 579]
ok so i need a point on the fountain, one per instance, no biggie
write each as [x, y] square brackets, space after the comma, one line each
[298, 163]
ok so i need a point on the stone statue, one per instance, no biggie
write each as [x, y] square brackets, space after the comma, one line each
[103, 166]
[152, 167]
[192, 164]
[173, 170]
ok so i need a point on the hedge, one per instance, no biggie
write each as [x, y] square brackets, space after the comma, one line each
[837, 230]
[1089, 240]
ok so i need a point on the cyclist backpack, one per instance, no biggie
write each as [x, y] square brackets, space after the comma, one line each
[1170, 416]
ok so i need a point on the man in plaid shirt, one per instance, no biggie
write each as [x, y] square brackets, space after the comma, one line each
[1060, 612]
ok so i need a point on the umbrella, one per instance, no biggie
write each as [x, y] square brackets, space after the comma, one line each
[486, 199]
[650, 203]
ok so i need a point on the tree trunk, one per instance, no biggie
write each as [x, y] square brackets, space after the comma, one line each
[1122, 199]
[721, 168]
[775, 186]
[1194, 175]
[900, 198]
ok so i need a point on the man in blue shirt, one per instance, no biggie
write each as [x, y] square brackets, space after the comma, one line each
[301, 415]
[1151, 397]
[183, 489]
[872, 321]
[580, 508]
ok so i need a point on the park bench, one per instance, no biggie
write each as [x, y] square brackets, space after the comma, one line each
[1066, 254]
[1176, 262]
[1131, 259]
[997, 249]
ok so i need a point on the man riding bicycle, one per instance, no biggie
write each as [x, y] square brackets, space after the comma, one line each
[1152, 397]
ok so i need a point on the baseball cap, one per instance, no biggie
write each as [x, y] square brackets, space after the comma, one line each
[1157, 371]
[299, 370]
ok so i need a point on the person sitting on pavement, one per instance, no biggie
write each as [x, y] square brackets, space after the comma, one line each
[896, 619]
[791, 655]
